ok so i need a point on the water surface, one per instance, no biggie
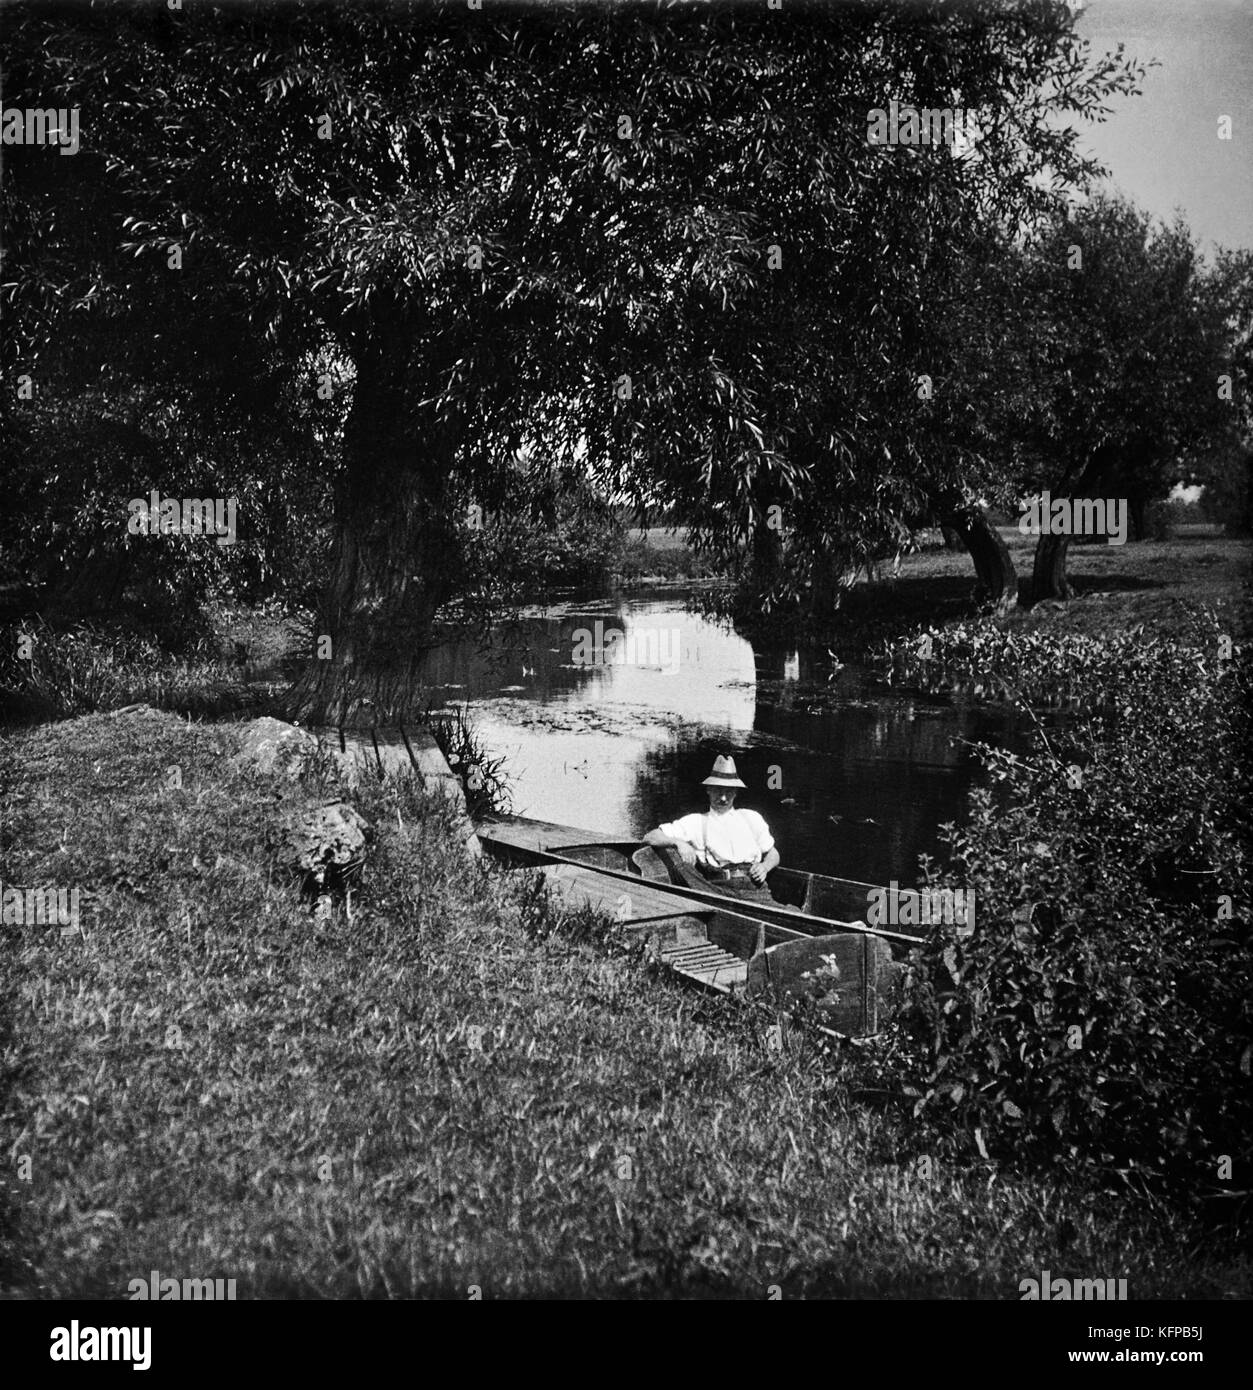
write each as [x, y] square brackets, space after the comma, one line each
[853, 780]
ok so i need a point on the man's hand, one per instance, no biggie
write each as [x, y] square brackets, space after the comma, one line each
[685, 852]
[757, 874]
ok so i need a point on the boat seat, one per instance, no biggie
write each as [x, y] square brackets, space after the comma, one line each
[651, 865]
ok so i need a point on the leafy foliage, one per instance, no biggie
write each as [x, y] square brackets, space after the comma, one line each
[1228, 496]
[1125, 334]
[542, 532]
[642, 560]
[992, 662]
[1101, 1015]
[330, 177]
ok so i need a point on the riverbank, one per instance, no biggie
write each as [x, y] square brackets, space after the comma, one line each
[210, 1082]
[1154, 584]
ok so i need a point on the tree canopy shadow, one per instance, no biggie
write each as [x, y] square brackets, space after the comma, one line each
[1114, 583]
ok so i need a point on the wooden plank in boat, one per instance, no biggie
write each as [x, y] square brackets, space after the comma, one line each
[682, 939]
[850, 978]
[520, 832]
[841, 898]
[728, 924]
[764, 956]
[628, 902]
[706, 895]
[719, 971]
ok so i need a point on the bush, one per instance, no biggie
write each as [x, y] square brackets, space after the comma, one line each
[261, 634]
[1163, 516]
[1227, 498]
[543, 535]
[641, 558]
[1101, 1015]
[1042, 667]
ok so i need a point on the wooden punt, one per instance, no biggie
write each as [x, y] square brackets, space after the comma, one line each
[813, 904]
[723, 945]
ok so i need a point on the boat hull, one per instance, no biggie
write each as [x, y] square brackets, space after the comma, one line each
[847, 978]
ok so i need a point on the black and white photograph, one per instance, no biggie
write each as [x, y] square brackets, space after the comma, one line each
[625, 669]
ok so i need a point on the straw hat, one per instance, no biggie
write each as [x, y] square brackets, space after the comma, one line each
[723, 775]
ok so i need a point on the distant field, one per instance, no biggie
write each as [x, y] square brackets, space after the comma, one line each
[668, 538]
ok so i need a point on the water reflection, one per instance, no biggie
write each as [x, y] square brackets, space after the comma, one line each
[615, 733]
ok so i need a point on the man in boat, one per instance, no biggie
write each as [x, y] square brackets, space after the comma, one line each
[730, 848]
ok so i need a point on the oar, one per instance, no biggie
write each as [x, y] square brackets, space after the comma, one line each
[741, 905]
[670, 857]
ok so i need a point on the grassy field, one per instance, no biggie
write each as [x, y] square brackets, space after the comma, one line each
[1118, 587]
[210, 1083]
[1115, 587]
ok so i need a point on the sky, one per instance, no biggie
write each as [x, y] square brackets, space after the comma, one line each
[1162, 148]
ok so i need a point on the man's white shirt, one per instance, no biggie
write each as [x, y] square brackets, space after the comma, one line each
[737, 836]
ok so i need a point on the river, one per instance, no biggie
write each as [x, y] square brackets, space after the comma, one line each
[613, 728]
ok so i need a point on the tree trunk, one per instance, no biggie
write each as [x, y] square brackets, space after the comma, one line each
[997, 580]
[395, 554]
[1137, 507]
[767, 556]
[826, 592]
[1048, 577]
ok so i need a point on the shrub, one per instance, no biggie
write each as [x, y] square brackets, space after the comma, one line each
[1161, 516]
[260, 634]
[543, 535]
[642, 558]
[1101, 1015]
[1227, 498]
[1041, 667]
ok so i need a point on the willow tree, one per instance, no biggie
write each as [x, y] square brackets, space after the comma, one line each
[649, 241]
[1138, 365]
[300, 184]
[834, 364]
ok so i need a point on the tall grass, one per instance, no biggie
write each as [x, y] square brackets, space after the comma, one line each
[84, 669]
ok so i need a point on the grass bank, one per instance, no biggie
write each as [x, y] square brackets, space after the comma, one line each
[1154, 584]
[209, 1083]
[48, 673]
